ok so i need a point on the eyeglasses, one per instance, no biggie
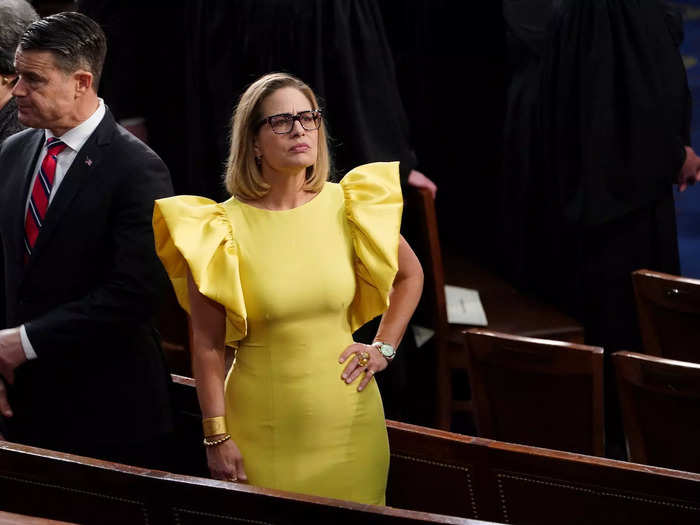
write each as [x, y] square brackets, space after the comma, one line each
[284, 122]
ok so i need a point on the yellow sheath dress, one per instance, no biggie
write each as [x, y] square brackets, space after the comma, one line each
[296, 284]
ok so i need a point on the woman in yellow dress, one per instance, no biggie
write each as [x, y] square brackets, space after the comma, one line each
[285, 270]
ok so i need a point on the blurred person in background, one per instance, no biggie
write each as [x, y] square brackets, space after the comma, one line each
[15, 16]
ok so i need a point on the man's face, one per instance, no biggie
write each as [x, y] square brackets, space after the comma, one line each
[45, 95]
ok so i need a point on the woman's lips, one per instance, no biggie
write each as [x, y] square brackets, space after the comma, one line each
[300, 148]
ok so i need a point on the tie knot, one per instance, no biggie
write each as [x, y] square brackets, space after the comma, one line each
[55, 146]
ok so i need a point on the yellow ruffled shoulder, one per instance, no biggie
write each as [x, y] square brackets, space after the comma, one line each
[373, 205]
[196, 233]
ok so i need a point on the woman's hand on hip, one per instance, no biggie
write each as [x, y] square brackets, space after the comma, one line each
[365, 360]
[226, 462]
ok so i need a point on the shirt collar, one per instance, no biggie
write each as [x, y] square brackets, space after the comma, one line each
[76, 137]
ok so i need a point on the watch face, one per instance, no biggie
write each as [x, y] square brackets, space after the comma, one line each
[387, 350]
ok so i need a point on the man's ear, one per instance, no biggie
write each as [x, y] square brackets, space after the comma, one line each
[83, 81]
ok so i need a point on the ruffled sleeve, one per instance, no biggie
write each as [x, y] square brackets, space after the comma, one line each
[195, 232]
[373, 205]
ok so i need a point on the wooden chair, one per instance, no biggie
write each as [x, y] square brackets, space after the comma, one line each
[537, 392]
[506, 309]
[421, 220]
[660, 401]
[668, 307]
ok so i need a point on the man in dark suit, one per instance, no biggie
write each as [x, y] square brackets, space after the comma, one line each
[80, 359]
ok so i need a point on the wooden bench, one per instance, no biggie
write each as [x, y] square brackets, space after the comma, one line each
[10, 518]
[503, 482]
[432, 473]
[435, 471]
[83, 490]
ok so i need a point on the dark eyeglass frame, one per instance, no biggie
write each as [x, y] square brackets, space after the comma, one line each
[315, 112]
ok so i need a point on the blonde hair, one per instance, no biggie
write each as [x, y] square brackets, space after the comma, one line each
[243, 177]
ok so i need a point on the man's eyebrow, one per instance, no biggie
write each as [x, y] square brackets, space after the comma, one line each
[30, 75]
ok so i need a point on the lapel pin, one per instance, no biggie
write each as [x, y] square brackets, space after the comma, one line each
[88, 161]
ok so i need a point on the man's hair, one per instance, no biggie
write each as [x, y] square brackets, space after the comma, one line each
[75, 40]
[15, 16]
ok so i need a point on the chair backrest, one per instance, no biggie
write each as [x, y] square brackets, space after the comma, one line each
[668, 307]
[420, 219]
[660, 400]
[536, 392]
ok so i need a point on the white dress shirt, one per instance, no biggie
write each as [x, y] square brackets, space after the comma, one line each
[74, 138]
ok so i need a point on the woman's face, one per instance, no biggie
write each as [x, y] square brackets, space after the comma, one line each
[286, 152]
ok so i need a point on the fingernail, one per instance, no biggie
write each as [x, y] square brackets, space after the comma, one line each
[359, 389]
[341, 360]
[345, 376]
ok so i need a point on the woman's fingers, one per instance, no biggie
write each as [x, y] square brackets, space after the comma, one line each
[242, 476]
[350, 350]
[350, 368]
[369, 374]
[226, 462]
[354, 374]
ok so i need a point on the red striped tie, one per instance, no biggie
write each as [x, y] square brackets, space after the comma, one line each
[41, 192]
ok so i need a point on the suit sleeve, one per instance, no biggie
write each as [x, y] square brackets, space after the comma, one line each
[129, 295]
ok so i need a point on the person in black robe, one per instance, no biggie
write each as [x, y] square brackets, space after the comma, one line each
[336, 46]
[597, 131]
[143, 75]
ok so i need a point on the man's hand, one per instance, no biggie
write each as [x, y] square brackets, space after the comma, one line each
[11, 353]
[5, 408]
[11, 356]
[418, 180]
[690, 172]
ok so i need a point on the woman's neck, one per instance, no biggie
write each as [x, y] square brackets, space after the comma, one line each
[286, 191]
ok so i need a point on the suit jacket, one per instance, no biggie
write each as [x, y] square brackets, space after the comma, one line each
[87, 294]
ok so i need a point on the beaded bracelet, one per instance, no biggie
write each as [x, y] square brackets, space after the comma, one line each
[208, 443]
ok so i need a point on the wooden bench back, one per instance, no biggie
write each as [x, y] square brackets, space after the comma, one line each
[537, 392]
[503, 482]
[660, 401]
[70, 488]
[440, 472]
[669, 314]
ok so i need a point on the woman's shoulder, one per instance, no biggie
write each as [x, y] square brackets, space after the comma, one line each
[375, 184]
[189, 217]
[373, 176]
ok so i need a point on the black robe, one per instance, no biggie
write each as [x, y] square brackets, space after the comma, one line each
[598, 116]
[338, 47]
